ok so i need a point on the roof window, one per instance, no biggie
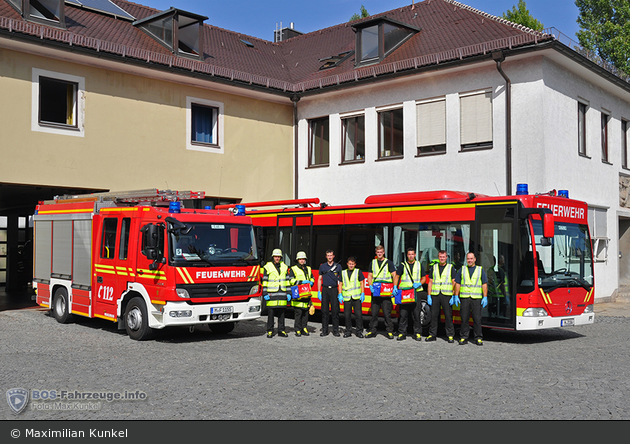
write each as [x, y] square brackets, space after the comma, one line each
[46, 12]
[333, 61]
[377, 38]
[178, 30]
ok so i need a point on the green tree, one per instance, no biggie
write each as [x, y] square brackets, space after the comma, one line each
[605, 30]
[520, 14]
[363, 14]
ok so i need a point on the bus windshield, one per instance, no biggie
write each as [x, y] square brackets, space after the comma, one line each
[203, 244]
[565, 260]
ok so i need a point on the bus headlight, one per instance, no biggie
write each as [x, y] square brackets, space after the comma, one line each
[589, 309]
[182, 293]
[535, 312]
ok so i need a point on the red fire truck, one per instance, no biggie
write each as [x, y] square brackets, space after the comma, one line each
[536, 249]
[140, 259]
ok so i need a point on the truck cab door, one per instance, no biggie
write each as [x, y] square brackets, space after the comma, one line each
[111, 265]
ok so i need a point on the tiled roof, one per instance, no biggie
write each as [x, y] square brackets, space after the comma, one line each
[448, 31]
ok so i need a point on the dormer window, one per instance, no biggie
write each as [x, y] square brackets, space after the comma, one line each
[46, 12]
[377, 38]
[178, 30]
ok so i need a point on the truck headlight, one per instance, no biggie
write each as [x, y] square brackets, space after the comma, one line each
[182, 293]
[253, 290]
[535, 312]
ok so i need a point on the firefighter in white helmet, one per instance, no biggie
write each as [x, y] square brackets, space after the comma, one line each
[275, 287]
[301, 279]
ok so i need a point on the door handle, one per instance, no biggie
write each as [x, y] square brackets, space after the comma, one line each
[140, 272]
[99, 279]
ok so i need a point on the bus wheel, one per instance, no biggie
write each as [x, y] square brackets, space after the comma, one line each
[137, 320]
[61, 306]
[222, 328]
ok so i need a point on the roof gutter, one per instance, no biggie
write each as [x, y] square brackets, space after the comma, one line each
[499, 57]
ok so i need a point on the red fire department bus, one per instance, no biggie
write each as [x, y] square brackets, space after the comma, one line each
[140, 259]
[535, 249]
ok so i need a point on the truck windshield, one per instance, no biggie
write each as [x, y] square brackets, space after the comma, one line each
[200, 244]
[566, 261]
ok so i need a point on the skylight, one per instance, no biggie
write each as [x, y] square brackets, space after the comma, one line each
[377, 38]
[178, 30]
[47, 12]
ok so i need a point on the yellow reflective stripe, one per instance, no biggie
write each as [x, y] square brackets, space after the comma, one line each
[183, 275]
[546, 297]
[588, 295]
[520, 311]
[255, 273]
[121, 271]
[152, 274]
[88, 210]
[104, 317]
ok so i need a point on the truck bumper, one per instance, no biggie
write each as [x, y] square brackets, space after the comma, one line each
[183, 314]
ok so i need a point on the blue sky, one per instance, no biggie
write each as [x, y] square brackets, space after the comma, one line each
[259, 18]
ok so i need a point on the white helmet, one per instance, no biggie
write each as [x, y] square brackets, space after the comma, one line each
[277, 252]
[300, 255]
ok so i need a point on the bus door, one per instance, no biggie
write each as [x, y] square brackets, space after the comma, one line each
[294, 233]
[496, 253]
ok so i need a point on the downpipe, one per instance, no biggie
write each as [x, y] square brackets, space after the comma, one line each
[499, 57]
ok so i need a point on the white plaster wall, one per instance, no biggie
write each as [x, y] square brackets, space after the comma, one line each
[544, 141]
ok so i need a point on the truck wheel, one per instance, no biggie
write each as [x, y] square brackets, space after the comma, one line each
[61, 306]
[223, 327]
[137, 320]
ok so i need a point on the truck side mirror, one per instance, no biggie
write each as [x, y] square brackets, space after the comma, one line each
[152, 243]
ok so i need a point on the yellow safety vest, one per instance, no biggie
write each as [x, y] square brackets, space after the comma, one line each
[407, 280]
[350, 286]
[298, 276]
[382, 274]
[275, 284]
[442, 283]
[471, 287]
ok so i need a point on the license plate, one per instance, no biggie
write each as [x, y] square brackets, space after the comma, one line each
[567, 322]
[215, 310]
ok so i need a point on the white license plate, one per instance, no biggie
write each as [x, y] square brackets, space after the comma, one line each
[567, 322]
[215, 310]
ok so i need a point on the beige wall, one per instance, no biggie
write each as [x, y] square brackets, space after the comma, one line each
[135, 136]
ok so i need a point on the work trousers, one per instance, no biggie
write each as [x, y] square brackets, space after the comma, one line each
[385, 304]
[468, 306]
[441, 301]
[276, 311]
[330, 303]
[403, 317]
[301, 318]
[348, 306]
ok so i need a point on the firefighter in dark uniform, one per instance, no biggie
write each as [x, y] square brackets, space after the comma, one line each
[275, 286]
[328, 281]
[300, 277]
[441, 284]
[407, 287]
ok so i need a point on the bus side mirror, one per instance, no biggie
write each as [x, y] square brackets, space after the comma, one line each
[548, 225]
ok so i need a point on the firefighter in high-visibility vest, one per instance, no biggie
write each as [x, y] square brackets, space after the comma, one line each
[275, 291]
[471, 286]
[440, 289]
[301, 279]
[408, 285]
[352, 295]
[381, 277]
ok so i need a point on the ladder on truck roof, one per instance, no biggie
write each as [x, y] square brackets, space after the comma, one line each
[136, 196]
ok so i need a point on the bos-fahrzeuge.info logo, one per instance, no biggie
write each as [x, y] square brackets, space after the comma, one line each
[18, 399]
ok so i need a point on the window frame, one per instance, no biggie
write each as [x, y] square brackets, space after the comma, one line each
[379, 23]
[76, 129]
[418, 132]
[624, 143]
[344, 131]
[310, 122]
[219, 146]
[380, 136]
[480, 145]
[605, 143]
[582, 111]
[24, 8]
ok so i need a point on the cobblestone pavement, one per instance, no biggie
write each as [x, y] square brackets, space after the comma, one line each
[573, 373]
